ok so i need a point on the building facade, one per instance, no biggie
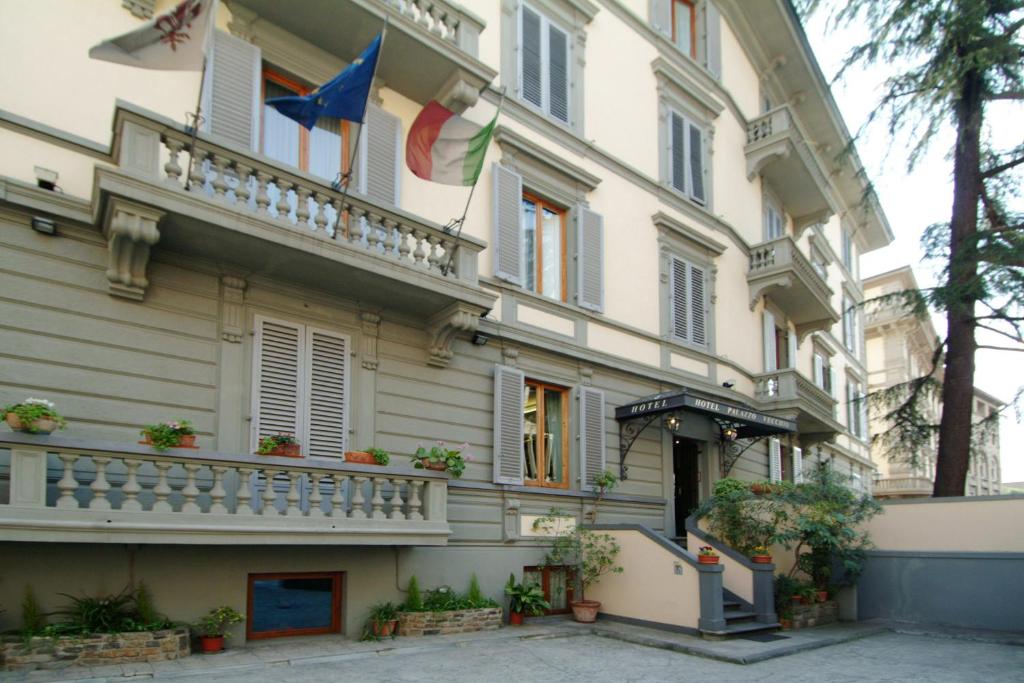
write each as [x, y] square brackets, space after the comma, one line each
[657, 275]
[901, 347]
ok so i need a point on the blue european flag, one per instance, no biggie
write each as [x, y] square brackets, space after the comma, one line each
[342, 97]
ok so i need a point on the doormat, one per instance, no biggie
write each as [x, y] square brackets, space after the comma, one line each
[763, 637]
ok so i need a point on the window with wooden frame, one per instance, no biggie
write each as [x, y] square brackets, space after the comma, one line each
[323, 151]
[558, 584]
[684, 26]
[543, 247]
[687, 165]
[293, 604]
[545, 435]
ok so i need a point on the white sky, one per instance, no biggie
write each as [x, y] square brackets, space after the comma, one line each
[912, 201]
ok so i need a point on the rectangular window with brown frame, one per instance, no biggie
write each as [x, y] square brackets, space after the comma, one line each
[684, 26]
[293, 604]
[558, 584]
[546, 435]
[543, 247]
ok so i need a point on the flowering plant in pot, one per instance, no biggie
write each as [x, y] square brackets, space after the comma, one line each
[33, 415]
[707, 555]
[368, 456]
[214, 626]
[759, 555]
[524, 600]
[174, 434]
[442, 458]
[383, 622]
[280, 444]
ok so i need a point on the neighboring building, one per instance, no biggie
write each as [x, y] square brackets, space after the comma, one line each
[662, 253]
[901, 347]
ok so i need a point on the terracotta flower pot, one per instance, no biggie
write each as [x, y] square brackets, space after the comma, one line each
[211, 643]
[759, 489]
[822, 596]
[43, 425]
[361, 457]
[797, 599]
[786, 624]
[385, 629]
[184, 441]
[585, 611]
[428, 464]
[761, 559]
[515, 619]
[707, 559]
[287, 450]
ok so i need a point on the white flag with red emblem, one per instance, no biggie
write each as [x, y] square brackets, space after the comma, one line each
[174, 41]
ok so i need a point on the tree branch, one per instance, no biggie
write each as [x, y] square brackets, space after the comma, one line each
[1006, 95]
[996, 170]
[998, 348]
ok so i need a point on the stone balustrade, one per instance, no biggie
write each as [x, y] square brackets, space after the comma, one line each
[770, 123]
[789, 385]
[87, 491]
[446, 20]
[783, 254]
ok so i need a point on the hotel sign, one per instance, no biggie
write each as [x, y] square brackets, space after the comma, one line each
[670, 402]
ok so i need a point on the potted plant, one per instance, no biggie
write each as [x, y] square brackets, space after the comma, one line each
[442, 458]
[369, 456]
[524, 600]
[822, 596]
[384, 620]
[760, 488]
[707, 555]
[591, 555]
[280, 444]
[214, 626]
[759, 555]
[34, 415]
[164, 435]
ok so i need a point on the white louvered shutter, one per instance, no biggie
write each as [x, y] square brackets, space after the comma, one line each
[509, 385]
[677, 147]
[791, 359]
[695, 153]
[833, 389]
[590, 259]
[558, 73]
[770, 356]
[851, 408]
[661, 17]
[798, 465]
[713, 39]
[508, 199]
[774, 459]
[379, 156]
[680, 300]
[530, 59]
[819, 371]
[327, 356]
[591, 435]
[698, 305]
[862, 431]
[278, 374]
[232, 90]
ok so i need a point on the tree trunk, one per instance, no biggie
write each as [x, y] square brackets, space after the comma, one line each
[953, 459]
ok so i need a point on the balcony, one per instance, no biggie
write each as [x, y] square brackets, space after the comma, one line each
[430, 51]
[245, 210]
[790, 392]
[64, 490]
[902, 487]
[778, 151]
[779, 269]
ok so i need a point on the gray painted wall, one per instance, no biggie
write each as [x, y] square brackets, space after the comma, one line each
[970, 590]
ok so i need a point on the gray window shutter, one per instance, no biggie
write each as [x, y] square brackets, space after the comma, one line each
[774, 459]
[590, 259]
[862, 426]
[232, 90]
[382, 146]
[592, 435]
[278, 374]
[713, 39]
[508, 199]
[819, 371]
[698, 306]
[851, 408]
[833, 392]
[770, 355]
[791, 359]
[509, 385]
[677, 161]
[798, 465]
[327, 356]
[695, 151]
[680, 301]
[530, 63]
[558, 73]
[661, 17]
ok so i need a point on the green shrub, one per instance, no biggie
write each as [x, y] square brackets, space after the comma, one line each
[32, 618]
[474, 595]
[729, 485]
[144, 608]
[413, 598]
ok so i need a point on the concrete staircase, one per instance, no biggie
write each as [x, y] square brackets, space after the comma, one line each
[740, 621]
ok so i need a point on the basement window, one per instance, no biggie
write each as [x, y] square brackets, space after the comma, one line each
[293, 604]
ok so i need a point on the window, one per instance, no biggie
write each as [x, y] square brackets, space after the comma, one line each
[293, 604]
[689, 304]
[543, 248]
[780, 344]
[545, 435]
[543, 64]
[856, 409]
[824, 375]
[849, 255]
[686, 158]
[557, 583]
[684, 26]
[774, 222]
[851, 326]
[820, 263]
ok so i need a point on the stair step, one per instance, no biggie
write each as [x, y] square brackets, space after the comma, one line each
[729, 604]
[738, 615]
[744, 628]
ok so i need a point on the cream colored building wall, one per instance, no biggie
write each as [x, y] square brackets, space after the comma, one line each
[950, 525]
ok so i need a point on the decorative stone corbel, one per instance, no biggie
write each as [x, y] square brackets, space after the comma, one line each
[232, 302]
[781, 280]
[458, 94]
[130, 230]
[371, 333]
[586, 375]
[510, 354]
[510, 530]
[445, 326]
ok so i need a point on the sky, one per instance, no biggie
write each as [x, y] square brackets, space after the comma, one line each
[914, 200]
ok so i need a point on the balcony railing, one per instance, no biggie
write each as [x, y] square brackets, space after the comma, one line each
[787, 388]
[60, 489]
[446, 20]
[902, 486]
[780, 268]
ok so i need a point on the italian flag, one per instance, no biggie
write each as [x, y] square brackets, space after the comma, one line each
[445, 148]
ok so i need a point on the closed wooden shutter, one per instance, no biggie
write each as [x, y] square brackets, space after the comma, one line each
[591, 435]
[862, 427]
[661, 17]
[278, 375]
[698, 306]
[696, 161]
[508, 199]
[677, 146]
[791, 360]
[590, 259]
[770, 357]
[380, 151]
[509, 385]
[819, 371]
[774, 460]
[530, 61]
[558, 73]
[680, 300]
[327, 426]
[798, 465]
[833, 390]
[713, 39]
[232, 90]
[851, 408]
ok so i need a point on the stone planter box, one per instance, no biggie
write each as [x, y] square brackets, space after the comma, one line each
[455, 621]
[96, 650]
[816, 614]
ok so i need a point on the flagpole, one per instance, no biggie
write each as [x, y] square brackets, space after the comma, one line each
[457, 223]
[346, 177]
[195, 125]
